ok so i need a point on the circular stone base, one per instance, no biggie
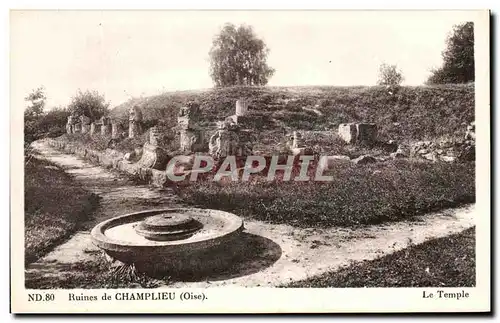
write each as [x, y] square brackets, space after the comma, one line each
[168, 226]
[214, 247]
[186, 267]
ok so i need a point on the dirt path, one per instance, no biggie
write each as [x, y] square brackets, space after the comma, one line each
[280, 253]
[118, 195]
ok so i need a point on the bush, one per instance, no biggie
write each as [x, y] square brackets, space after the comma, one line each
[49, 124]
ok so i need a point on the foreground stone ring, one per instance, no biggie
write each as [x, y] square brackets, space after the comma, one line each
[177, 241]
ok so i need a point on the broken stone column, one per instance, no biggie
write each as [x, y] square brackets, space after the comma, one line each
[116, 130]
[230, 140]
[155, 136]
[297, 146]
[241, 107]
[240, 117]
[135, 122]
[224, 143]
[105, 126]
[94, 129]
[297, 140]
[77, 128]
[347, 131]
[85, 121]
[190, 136]
[153, 155]
[69, 125]
[191, 140]
[355, 133]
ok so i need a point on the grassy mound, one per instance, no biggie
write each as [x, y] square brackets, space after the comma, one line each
[422, 112]
[54, 207]
[443, 262]
[369, 194]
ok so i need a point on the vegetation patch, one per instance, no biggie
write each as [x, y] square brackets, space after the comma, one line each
[358, 194]
[54, 207]
[101, 143]
[443, 262]
[98, 273]
[401, 113]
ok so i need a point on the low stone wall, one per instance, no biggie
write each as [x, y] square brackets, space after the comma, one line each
[112, 159]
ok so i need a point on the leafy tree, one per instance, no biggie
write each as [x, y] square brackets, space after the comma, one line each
[37, 103]
[238, 57]
[458, 57]
[88, 103]
[389, 75]
[53, 122]
[48, 124]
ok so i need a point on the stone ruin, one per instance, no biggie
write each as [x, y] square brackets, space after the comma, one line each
[80, 124]
[77, 128]
[296, 144]
[105, 123]
[358, 133]
[135, 122]
[69, 125]
[116, 129]
[447, 149]
[240, 117]
[190, 135]
[153, 155]
[231, 137]
[93, 129]
[85, 122]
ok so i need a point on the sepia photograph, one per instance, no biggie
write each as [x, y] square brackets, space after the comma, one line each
[166, 154]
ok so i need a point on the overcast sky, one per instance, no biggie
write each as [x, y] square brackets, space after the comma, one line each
[125, 54]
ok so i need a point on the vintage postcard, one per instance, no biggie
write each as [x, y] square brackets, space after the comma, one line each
[259, 161]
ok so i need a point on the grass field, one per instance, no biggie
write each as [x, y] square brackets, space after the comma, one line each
[358, 194]
[54, 207]
[443, 262]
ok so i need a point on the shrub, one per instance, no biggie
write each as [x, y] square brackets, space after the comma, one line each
[48, 124]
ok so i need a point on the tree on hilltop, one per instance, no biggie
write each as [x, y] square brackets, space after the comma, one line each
[238, 57]
[88, 103]
[389, 75]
